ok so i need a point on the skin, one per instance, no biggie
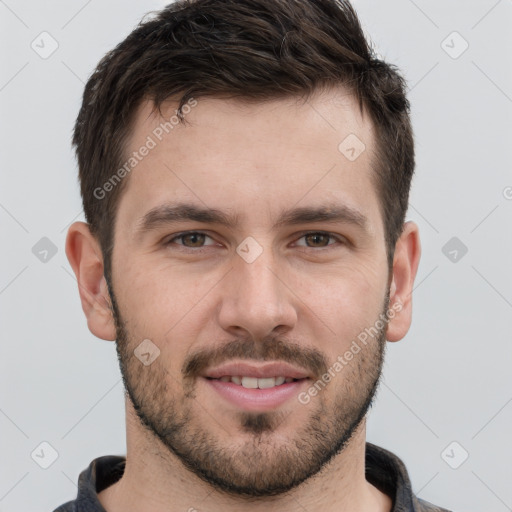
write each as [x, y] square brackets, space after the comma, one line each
[312, 295]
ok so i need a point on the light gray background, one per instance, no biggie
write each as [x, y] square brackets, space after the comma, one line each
[448, 380]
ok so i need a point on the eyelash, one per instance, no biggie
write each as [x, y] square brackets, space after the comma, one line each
[201, 249]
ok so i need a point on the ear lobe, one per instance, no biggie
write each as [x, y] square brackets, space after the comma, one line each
[85, 257]
[405, 266]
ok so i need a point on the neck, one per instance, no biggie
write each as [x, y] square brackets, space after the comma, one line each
[155, 480]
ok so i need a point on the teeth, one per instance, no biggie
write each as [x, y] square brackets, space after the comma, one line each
[255, 383]
[269, 382]
[250, 382]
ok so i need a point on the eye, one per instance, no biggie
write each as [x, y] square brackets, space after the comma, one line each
[191, 239]
[319, 239]
[197, 239]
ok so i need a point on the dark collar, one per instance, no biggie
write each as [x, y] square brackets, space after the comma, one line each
[383, 469]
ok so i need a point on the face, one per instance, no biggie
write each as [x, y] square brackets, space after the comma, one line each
[247, 236]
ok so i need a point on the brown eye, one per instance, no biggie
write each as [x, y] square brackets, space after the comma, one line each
[195, 239]
[191, 240]
[318, 239]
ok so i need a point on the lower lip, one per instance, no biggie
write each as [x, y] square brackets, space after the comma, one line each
[256, 399]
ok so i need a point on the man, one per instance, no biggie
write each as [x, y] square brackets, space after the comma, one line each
[245, 168]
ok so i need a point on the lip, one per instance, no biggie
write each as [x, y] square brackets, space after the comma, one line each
[256, 399]
[244, 369]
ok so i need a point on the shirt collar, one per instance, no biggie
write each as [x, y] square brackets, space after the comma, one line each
[383, 469]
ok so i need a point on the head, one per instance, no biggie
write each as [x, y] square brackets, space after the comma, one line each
[239, 121]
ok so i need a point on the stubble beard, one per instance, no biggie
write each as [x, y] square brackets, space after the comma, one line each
[257, 464]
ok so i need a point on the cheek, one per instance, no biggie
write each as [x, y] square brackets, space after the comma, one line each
[141, 279]
[348, 300]
[159, 300]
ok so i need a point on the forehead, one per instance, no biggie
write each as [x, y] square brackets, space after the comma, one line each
[252, 159]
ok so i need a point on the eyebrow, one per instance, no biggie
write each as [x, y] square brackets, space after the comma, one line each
[182, 212]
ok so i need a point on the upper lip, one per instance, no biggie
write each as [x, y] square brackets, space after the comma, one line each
[274, 369]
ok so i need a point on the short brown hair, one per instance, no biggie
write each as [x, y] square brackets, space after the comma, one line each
[255, 50]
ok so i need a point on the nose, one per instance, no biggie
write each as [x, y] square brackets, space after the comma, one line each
[256, 298]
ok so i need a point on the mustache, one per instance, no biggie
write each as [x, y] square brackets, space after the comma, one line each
[268, 349]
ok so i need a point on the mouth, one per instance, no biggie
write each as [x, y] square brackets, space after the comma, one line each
[255, 382]
[256, 386]
[253, 394]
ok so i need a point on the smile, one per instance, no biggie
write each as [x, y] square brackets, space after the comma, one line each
[254, 382]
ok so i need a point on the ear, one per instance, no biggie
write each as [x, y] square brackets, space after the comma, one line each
[85, 257]
[405, 265]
